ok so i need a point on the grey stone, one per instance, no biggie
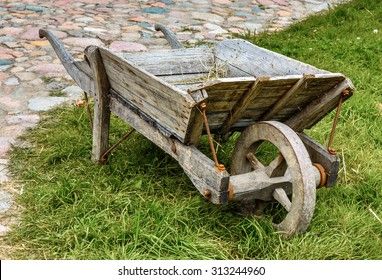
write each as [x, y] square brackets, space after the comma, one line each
[207, 17]
[17, 7]
[4, 62]
[256, 9]
[95, 30]
[84, 19]
[13, 81]
[25, 76]
[45, 103]
[6, 39]
[5, 201]
[155, 10]
[73, 92]
[4, 67]
[55, 85]
[36, 8]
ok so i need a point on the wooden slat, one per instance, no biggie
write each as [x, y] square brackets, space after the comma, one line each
[298, 87]
[242, 56]
[185, 79]
[221, 102]
[164, 103]
[318, 108]
[242, 104]
[174, 61]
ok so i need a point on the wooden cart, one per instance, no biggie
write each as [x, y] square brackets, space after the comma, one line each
[174, 96]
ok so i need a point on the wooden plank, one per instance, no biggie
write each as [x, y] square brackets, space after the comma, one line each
[195, 128]
[224, 93]
[318, 108]
[174, 61]
[298, 87]
[198, 167]
[242, 56]
[164, 103]
[185, 79]
[101, 118]
[242, 104]
[318, 154]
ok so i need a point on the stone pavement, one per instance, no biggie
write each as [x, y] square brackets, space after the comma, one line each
[32, 79]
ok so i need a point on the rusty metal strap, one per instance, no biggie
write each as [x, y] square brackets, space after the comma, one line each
[203, 108]
[124, 137]
[344, 94]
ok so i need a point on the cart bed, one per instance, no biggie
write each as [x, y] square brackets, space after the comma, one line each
[243, 84]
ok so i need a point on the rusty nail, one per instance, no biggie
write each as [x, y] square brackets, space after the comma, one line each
[173, 148]
[207, 194]
[220, 167]
[203, 105]
[332, 151]
[346, 92]
[231, 193]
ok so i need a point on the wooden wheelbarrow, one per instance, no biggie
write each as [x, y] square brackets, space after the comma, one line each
[174, 96]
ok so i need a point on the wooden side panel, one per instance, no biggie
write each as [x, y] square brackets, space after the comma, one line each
[174, 61]
[242, 57]
[223, 94]
[319, 108]
[162, 102]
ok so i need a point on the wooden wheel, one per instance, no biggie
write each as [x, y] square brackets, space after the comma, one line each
[292, 167]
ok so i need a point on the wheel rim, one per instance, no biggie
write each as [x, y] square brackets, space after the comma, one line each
[298, 164]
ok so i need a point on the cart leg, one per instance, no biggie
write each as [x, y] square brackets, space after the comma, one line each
[101, 119]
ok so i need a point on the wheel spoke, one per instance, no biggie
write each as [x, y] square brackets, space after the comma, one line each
[256, 164]
[277, 167]
[280, 195]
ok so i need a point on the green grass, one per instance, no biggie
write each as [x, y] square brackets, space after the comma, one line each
[142, 206]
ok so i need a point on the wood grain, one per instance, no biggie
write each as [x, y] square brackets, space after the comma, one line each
[101, 113]
[198, 167]
[164, 103]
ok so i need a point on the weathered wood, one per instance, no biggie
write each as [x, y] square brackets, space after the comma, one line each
[257, 185]
[196, 124]
[186, 81]
[242, 56]
[318, 154]
[296, 89]
[318, 108]
[169, 35]
[174, 61]
[101, 115]
[164, 103]
[242, 104]
[224, 93]
[74, 68]
[198, 167]
[300, 172]
[281, 196]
